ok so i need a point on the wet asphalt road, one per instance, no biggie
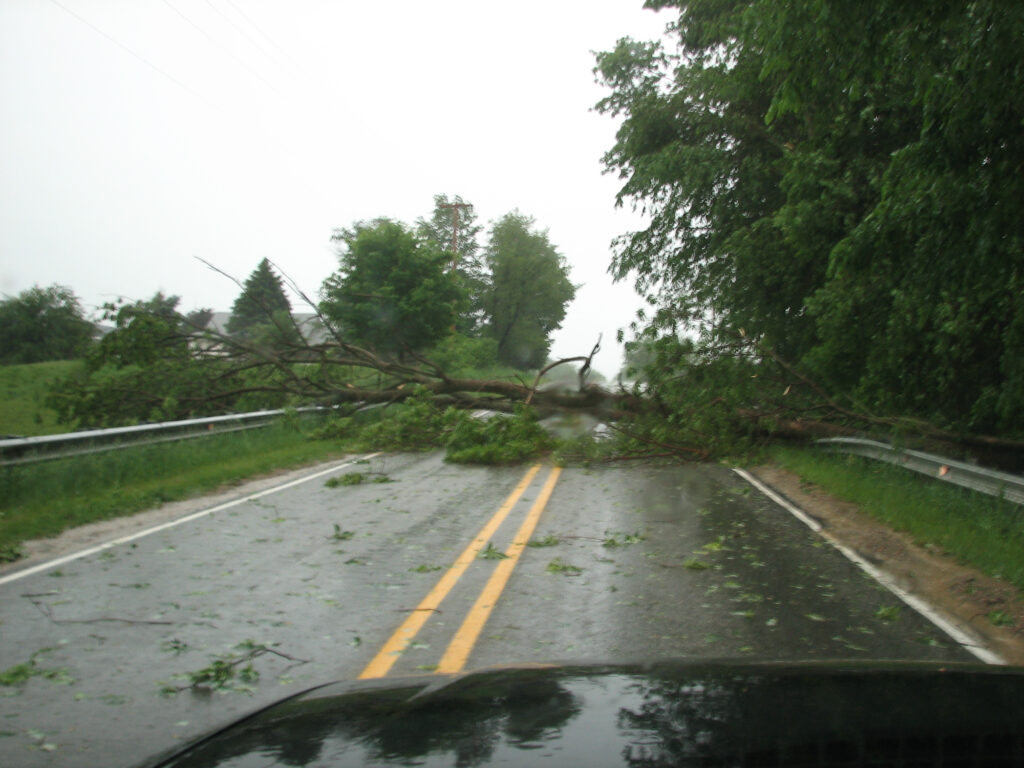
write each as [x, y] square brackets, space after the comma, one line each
[639, 562]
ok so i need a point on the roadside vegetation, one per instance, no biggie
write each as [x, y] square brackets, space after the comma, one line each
[23, 393]
[42, 324]
[974, 528]
[830, 246]
[41, 500]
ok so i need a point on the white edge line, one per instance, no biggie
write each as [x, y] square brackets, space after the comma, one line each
[180, 521]
[798, 513]
[919, 605]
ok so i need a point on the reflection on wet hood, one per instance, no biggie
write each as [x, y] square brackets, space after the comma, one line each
[643, 715]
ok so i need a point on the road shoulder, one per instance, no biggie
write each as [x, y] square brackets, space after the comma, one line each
[963, 593]
[83, 537]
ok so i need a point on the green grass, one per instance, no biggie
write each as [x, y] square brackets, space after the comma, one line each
[977, 529]
[23, 389]
[41, 500]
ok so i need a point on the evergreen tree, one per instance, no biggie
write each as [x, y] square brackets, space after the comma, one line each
[262, 298]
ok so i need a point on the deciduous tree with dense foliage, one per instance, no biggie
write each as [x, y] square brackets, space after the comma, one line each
[841, 183]
[43, 324]
[146, 369]
[528, 292]
[394, 292]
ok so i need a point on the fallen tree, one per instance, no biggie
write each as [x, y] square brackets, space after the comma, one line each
[161, 364]
[691, 402]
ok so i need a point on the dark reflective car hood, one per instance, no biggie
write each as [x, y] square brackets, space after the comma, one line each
[654, 714]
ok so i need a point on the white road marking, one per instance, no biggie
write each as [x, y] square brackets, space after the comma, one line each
[958, 635]
[180, 521]
[794, 510]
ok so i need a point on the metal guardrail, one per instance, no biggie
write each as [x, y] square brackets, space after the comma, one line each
[989, 481]
[27, 450]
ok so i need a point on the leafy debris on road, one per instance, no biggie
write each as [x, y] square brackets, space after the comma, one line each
[229, 672]
[557, 566]
[426, 568]
[491, 553]
[888, 613]
[547, 541]
[18, 674]
[619, 539]
[356, 478]
[340, 535]
[175, 646]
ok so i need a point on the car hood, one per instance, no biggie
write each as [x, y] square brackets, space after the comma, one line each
[649, 714]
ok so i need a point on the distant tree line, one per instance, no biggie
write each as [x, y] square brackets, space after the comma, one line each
[42, 324]
[400, 295]
[403, 289]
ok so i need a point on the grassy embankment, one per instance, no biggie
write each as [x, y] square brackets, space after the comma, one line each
[976, 529]
[41, 500]
[23, 389]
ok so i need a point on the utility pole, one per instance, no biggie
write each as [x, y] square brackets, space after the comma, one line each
[455, 228]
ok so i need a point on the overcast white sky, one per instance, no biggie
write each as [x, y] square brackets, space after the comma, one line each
[137, 134]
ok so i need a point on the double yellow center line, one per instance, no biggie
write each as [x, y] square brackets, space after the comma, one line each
[465, 638]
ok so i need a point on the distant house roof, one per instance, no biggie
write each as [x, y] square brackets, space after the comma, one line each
[218, 322]
[311, 328]
[99, 330]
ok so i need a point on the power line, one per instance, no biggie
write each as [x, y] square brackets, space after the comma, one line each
[215, 44]
[126, 49]
[271, 40]
[244, 34]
